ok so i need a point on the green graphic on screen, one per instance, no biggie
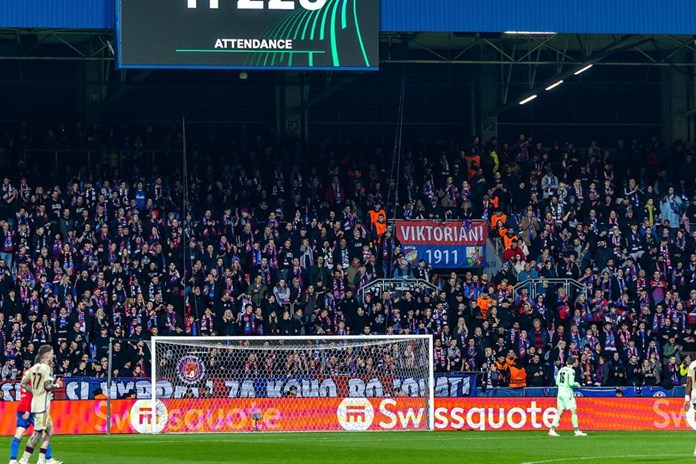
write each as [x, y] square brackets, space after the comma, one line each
[249, 33]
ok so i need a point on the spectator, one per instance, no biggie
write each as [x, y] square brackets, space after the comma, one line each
[513, 251]
[535, 372]
[99, 394]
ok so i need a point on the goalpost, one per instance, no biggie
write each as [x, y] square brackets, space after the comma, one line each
[290, 384]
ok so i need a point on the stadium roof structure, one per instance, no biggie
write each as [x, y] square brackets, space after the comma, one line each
[537, 58]
[512, 48]
[520, 47]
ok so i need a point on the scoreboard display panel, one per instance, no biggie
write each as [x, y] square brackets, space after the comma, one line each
[246, 34]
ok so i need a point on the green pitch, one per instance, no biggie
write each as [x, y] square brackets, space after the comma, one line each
[379, 447]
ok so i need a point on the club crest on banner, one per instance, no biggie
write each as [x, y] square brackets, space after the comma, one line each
[190, 369]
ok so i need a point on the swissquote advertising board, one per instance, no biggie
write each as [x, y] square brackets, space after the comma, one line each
[356, 414]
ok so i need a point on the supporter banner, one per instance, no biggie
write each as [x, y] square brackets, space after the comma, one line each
[485, 414]
[357, 414]
[597, 392]
[9, 391]
[455, 385]
[83, 388]
[307, 386]
[444, 245]
[446, 386]
[630, 392]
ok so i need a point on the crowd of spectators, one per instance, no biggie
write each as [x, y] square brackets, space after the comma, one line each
[271, 238]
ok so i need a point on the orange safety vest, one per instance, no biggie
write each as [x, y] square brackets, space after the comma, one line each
[507, 241]
[380, 228]
[484, 304]
[374, 215]
[498, 217]
[518, 377]
[501, 367]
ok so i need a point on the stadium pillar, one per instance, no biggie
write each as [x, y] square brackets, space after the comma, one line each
[486, 123]
[292, 119]
[675, 103]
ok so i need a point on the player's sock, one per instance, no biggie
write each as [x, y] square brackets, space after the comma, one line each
[27, 454]
[14, 447]
[556, 421]
[42, 455]
[49, 452]
[574, 420]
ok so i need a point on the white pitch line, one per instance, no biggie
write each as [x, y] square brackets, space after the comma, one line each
[251, 437]
[267, 438]
[592, 458]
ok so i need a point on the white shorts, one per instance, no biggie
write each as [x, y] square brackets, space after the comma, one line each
[42, 422]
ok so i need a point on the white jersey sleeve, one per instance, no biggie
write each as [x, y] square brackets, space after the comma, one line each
[690, 373]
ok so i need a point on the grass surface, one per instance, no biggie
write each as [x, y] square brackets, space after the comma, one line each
[378, 447]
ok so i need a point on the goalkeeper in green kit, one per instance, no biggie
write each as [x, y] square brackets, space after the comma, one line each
[565, 381]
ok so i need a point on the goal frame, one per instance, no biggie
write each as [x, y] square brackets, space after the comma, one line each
[330, 338]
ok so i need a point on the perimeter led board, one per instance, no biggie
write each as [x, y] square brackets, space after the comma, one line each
[247, 34]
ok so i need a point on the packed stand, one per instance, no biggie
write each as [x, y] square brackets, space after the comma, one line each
[277, 239]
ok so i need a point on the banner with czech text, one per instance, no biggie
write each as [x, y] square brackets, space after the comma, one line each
[444, 245]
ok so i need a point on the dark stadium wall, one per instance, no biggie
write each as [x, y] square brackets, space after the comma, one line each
[36, 90]
[437, 102]
[607, 103]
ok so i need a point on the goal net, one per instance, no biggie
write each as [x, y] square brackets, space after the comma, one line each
[234, 384]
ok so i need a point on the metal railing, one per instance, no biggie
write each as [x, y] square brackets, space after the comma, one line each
[541, 285]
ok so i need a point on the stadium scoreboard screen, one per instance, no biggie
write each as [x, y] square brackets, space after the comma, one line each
[245, 34]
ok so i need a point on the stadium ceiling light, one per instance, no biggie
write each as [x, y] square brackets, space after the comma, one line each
[528, 99]
[580, 71]
[554, 85]
[529, 33]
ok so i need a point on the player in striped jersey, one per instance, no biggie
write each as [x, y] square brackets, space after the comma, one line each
[38, 381]
[565, 381]
[25, 419]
